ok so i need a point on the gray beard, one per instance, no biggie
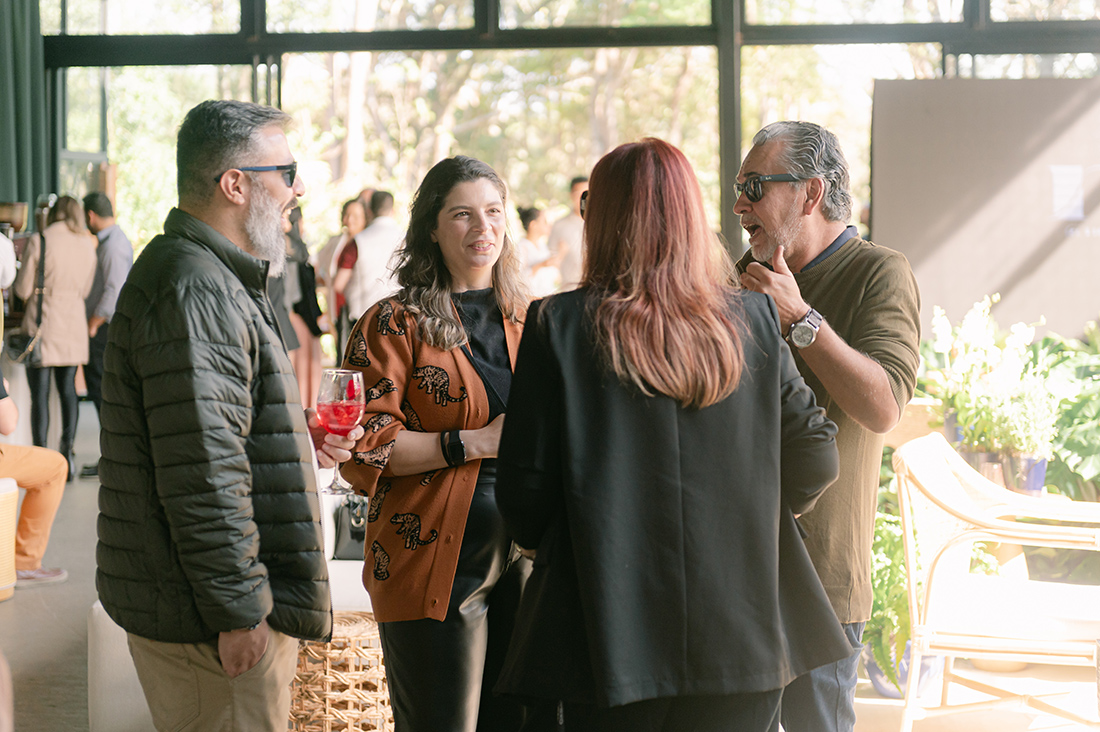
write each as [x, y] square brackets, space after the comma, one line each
[264, 227]
[786, 235]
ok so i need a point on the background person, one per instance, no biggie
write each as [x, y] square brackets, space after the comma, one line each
[339, 253]
[370, 278]
[659, 444]
[542, 277]
[210, 551]
[443, 575]
[304, 311]
[566, 242]
[41, 473]
[851, 311]
[69, 274]
[114, 255]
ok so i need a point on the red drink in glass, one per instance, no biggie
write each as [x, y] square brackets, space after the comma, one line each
[340, 417]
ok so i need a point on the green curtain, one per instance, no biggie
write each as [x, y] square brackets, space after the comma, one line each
[24, 125]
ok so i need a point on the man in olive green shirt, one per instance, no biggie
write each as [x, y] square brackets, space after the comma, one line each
[850, 310]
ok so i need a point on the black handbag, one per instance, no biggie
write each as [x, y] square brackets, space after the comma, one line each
[19, 345]
[351, 528]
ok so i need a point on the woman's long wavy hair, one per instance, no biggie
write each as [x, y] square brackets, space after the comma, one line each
[422, 273]
[660, 278]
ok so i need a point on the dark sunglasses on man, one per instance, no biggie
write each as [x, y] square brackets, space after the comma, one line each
[753, 188]
[583, 206]
[289, 171]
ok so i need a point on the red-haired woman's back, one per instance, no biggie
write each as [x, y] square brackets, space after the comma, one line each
[659, 442]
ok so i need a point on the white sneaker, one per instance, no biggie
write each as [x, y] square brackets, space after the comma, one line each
[40, 576]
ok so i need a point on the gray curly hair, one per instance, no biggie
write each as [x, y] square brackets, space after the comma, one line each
[811, 151]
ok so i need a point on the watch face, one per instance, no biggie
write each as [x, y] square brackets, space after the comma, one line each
[802, 335]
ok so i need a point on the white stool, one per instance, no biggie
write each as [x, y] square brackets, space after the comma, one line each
[9, 516]
[116, 702]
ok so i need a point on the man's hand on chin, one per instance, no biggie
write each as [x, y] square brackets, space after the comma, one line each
[780, 284]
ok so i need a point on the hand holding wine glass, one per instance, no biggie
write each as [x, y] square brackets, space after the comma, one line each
[341, 402]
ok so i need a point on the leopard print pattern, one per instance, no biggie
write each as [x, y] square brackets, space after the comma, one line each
[412, 419]
[408, 525]
[427, 479]
[376, 458]
[385, 318]
[377, 422]
[384, 386]
[436, 382]
[358, 350]
[375, 509]
[381, 562]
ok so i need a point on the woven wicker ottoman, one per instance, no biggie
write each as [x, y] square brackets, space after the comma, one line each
[341, 686]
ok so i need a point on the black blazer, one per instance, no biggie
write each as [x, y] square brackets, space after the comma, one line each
[669, 560]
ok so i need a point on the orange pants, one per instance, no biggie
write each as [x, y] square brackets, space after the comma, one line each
[42, 474]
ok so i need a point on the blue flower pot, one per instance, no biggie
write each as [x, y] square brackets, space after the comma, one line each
[931, 668]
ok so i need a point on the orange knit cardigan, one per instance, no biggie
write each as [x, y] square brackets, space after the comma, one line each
[415, 522]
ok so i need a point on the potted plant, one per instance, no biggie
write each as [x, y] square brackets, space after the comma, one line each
[999, 402]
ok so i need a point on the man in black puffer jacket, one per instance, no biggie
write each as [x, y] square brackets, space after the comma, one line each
[210, 552]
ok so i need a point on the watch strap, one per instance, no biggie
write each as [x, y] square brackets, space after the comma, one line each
[456, 449]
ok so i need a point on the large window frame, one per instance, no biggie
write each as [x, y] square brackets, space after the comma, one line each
[728, 33]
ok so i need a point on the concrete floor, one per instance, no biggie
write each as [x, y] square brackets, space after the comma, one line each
[43, 633]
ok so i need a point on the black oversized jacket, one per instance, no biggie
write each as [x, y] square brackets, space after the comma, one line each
[669, 561]
[209, 518]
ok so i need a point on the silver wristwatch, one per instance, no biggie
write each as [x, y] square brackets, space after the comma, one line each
[803, 332]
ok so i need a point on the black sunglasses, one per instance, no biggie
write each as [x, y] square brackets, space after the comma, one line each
[584, 203]
[289, 171]
[753, 189]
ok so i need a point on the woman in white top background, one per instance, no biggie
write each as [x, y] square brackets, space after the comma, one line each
[542, 278]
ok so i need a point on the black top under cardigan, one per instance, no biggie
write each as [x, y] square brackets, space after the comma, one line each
[690, 576]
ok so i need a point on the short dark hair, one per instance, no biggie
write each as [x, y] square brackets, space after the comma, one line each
[381, 203]
[527, 215]
[99, 204]
[577, 180]
[218, 135]
[354, 202]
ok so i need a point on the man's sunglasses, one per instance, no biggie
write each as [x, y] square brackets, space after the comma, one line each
[753, 188]
[584, 203]
[289, 171]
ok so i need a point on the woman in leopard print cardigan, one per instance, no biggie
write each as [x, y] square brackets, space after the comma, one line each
[443, 575]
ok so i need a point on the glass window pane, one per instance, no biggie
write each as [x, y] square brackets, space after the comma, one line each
[143, 17]
[832, 86]
[805, 12]
[145, 107]
[333, 16]
[542, 14]
[1044, 9]
[538, 117]
[82, 125]
[1032, 66]
[49, 17]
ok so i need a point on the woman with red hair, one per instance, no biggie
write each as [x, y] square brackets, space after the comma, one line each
[659, 444]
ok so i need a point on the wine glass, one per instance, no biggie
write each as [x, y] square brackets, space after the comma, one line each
[340, 405]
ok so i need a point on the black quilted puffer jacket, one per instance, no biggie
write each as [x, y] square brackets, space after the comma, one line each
[209, 519]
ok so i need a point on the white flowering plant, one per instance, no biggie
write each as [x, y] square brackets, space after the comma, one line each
[1003, 391]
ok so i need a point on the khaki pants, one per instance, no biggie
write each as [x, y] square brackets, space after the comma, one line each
[187, 689]
[42, 474]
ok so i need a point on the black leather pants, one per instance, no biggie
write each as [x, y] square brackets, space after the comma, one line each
[38, 380]
[441, 674]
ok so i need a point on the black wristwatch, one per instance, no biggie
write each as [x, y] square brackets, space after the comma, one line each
[803, 332]
[454, 449]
